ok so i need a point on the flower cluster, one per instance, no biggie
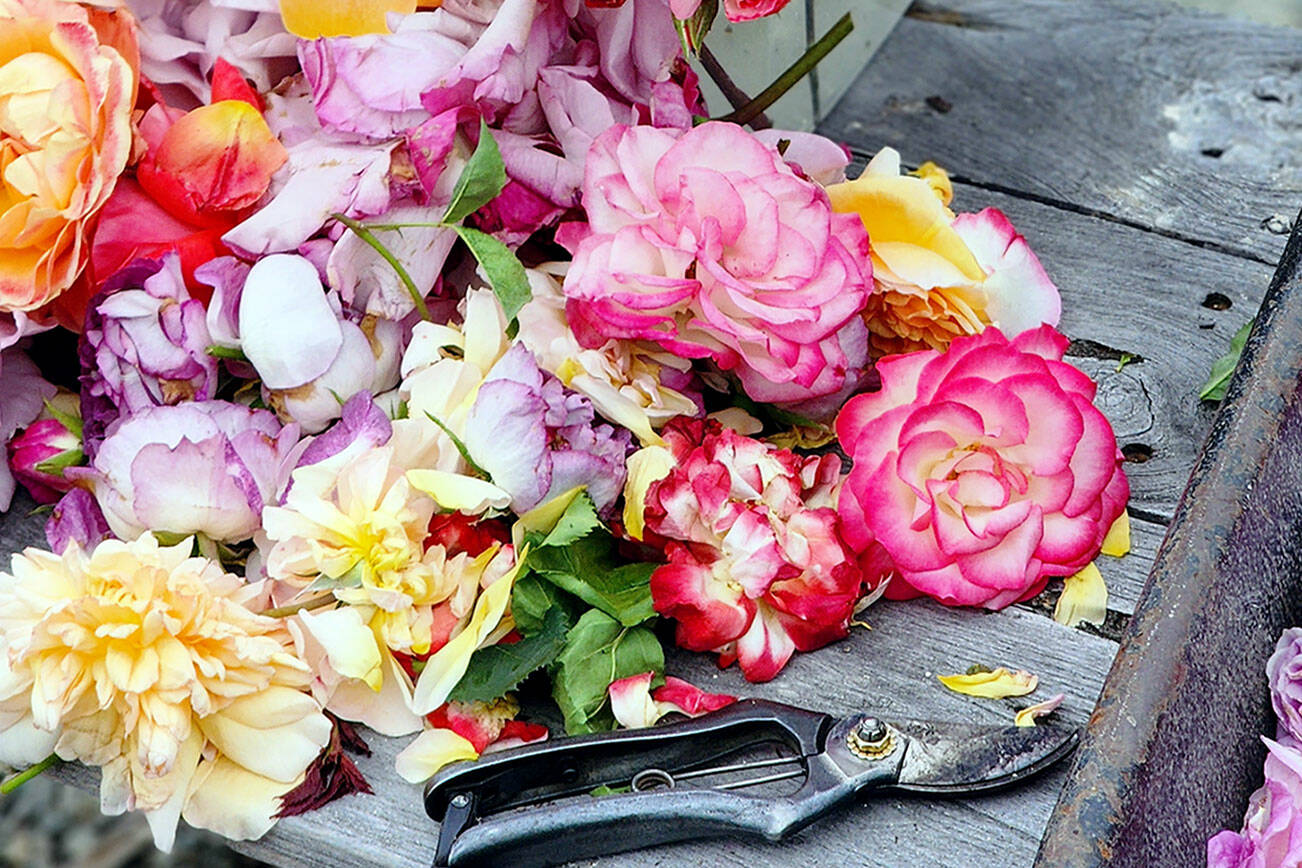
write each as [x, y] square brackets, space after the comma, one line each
[398, 331]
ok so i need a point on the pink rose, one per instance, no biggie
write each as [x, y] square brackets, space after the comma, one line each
[709, 244]
[757, 569]
[747, 10]
[1272, 827]
[980, 472]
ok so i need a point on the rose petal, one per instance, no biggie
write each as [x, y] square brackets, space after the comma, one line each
[999, 684]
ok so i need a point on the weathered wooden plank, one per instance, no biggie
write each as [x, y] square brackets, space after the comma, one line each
[891, 668]
[1125, 290]
[1181, 122]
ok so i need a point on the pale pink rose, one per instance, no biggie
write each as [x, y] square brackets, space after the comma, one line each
[757, 568]
[979, 473]
[709, 244]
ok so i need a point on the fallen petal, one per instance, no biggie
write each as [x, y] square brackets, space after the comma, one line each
[999, 684]
[1027, 716]
[1084, 598]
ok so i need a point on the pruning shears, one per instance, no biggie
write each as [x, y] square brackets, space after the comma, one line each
[754, 768]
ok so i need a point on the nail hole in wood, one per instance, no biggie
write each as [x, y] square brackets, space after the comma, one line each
[1214, 153]
[939, 104]
[1137, 453]
[1217, 301]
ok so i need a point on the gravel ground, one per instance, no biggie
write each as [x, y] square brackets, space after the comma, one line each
[46, 824]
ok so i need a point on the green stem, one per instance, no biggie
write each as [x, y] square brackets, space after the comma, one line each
[293, 608]
[366, 235]
[794, 73]
[27, 774]
[217, 351]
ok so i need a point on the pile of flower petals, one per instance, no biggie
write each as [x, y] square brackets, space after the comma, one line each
[423, 353]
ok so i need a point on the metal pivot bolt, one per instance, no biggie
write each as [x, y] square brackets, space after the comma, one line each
[870, 739]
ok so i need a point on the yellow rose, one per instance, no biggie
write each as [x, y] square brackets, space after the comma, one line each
[939, 275]
[67, 85]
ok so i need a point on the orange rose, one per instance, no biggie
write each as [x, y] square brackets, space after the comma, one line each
[67, 84]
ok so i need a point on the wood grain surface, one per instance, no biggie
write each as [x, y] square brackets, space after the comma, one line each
[1093, 126]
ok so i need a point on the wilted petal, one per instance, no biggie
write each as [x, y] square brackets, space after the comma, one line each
[631, 702]
[645, 467]
[998, 684]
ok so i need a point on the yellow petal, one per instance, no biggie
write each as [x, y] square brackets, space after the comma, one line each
[938, 179]
[645, 466]
[349, 644]
[1027, 716]
[446, 666]
[1084, 598]
[738, 420]
[904, 210]
[234, 802]
[993, 685]
[454, 491]
[275, 733]
[431, 751]
[1117, 542]
[310, 19]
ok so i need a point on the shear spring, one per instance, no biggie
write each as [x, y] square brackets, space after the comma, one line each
[660, 779]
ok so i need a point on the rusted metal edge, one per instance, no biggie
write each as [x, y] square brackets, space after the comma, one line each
[1171, 753]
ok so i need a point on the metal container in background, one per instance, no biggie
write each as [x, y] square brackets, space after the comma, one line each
[1172, 751]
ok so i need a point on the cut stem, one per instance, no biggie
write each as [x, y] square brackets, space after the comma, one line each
[366, 235]
[292, 608]
[794, 73]
[735, 96]
[28, 773]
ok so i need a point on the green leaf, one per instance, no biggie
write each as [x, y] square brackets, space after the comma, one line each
[578, 520]
[499, 668]
[350, 579]
[481, 180]
[692, 32]
[1219, 378]
[217, 351]
[588, 570]
[599, 651]
[505, 273]
[71, 421]
[531, 599]
[55, 464]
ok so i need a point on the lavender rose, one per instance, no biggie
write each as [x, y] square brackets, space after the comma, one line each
[1284, 673]
[1272, 827]
[201, 467]
[145, 344]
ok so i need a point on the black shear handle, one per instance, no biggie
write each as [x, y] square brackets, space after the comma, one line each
[588, 826]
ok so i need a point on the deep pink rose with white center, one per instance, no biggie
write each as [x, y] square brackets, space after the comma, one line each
[979, 473]
[757, 569]
[708, 243]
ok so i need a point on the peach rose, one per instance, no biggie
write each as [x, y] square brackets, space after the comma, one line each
[66, 91]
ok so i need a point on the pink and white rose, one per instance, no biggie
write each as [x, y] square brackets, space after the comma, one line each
[757, 568]
[709, 244]
[979, 473]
